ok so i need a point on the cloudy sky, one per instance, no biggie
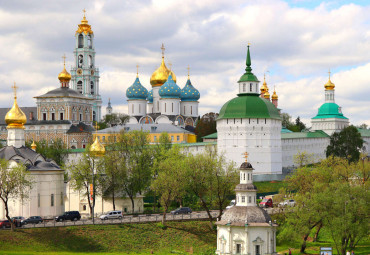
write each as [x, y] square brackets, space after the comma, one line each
[294, 42]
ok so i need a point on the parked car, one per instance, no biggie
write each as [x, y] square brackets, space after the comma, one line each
[111, 215]
[5, 224]
[32, 220]
[266, 203]
[18, 220]
[182, 210]
[288, 202]
[232, 203]
[70, 215]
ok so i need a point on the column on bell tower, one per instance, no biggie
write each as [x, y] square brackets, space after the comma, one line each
[85, 75]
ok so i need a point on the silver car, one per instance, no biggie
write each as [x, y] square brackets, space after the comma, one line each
[112, 215]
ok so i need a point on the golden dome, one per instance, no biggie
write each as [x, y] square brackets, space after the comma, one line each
[33, 145]
[329, 85]
[97, 148]
[160, 76]
[267, 94]
[84, 27]
[64, 76]
[15, 118]
[264, 87]
[274, 95]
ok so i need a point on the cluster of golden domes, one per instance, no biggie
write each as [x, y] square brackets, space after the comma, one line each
[265, 90]
[160, 76]
[84, 27]
[15, 117]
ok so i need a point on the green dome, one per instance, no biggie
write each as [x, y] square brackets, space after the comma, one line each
[249, 106]
[329, 110]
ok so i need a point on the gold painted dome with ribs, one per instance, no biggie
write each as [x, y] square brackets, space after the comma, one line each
[15, 117]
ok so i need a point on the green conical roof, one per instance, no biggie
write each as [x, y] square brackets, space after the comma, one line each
[248, 75]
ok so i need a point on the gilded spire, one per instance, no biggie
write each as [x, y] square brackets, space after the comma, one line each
[163, 48]
[137, 71]
[64, 76]
[84, 27]
[274, 95]
[264, 87]
[267, 94]
[15, 117]
[188, 72]
[160, 76]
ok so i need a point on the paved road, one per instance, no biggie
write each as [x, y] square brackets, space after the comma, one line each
[132, 219]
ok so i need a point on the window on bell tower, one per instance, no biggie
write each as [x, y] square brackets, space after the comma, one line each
[89, 41]
[79, 86]
[91, 87]
[80, 41]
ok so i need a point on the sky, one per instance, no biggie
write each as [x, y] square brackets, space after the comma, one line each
[293, 42]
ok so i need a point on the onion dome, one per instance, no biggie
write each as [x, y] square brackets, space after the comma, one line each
[33, 145]
[150, 97]
[97, 148]
[274, 95]
[267, 94]
[170, 89]
[264, 87]
[160, 76]
[64, 76]
[189, 93]
[136, 91]
[329, 85]
[15, 117]
[84, 27]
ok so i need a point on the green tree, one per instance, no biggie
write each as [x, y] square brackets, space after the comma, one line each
[15, 183]
[346, 144]
[56, 151]
[299, 124]
[286, 120]
[134, 147]
[170, 180]
[303, 158]
[206, 125]
[81, 176]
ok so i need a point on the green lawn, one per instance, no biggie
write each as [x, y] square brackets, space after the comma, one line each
[178, 238]
[269, 187]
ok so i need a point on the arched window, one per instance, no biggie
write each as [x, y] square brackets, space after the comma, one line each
[90, 61]
[94, 116]
[244, 87]
[80, 41]
[250, 87]
[79, 86]
[89, 41]
[91, 87]
[80, 60]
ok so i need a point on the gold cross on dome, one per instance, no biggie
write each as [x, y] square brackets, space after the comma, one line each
[188, 71]
[163, 48]
[329, 73]
[84, 11]
[246, 154]
[170, 64]
[15, 90]
[64, 59]
[249, 44]
[137, 70]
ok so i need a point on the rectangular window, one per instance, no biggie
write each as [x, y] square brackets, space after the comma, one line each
[238, 248]
[52, 116]
[80, 117]
[61, 116]
[178, 138]
[52, 200]
[243, 199]
[191, 109]
[38, 200]
[44, 116]
[172, 138]
[258, 250]
[103, 138]
[250, 199]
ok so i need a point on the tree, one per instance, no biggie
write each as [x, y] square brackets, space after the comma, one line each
[299, 124]
[210, 178]
[363, 126]
[134, 147]
[56, 151]
[170, 180]
[14, 184]
[206, 125]
[113, 119]
[81, 174]
[286, 120]
[303, 158]
[346, 144]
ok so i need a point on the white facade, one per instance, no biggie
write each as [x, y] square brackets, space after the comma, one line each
[156, 104]
[189, 108]
[15, 137]
[260, 137]
[329, 125]
[136, 107]
[170, 106]
[150, 108]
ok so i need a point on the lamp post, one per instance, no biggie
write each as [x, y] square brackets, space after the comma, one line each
[97, 150]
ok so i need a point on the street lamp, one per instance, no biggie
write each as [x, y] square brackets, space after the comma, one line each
[97, 150]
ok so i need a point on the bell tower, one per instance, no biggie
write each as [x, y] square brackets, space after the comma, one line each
[85, 75]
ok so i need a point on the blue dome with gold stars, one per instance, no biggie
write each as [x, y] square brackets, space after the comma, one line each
[150, 97]
[169, 89]
[136, 91]
[189, 93]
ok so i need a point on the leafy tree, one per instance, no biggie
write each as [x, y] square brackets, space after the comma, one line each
[14, 184]
[363, 126]
[134, 147]
[56, 151]
[206, 125]
[299, 124]
[286, 120]
[170, 180]
[346, 144]
[81, 174]
[303, 158]
[113, 119]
